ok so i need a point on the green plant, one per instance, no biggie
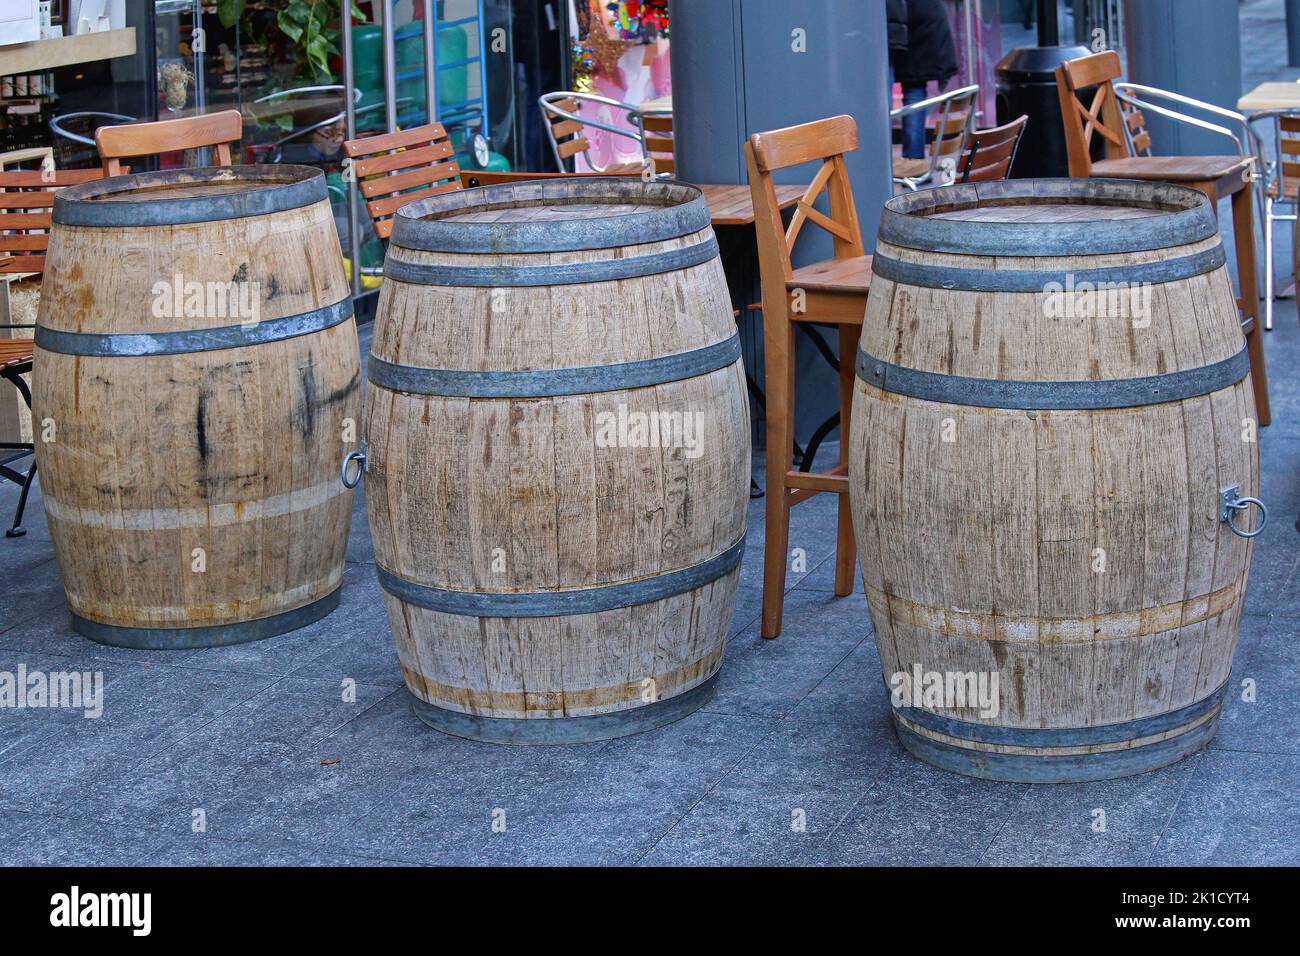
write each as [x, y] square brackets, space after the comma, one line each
[312, 26]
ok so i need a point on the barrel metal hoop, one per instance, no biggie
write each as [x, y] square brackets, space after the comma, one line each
[570, 273]
[564, 602]
[137, 344]
[217, 635]
[684, 212]
[566, 730]
[906, 220]
[924, 275]
[1057, 768]
[1053, 396]
[547, 383]
[1066, 736]
[286, 187]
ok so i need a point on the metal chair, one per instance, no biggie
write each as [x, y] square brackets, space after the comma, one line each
[565, 127]
[956, 117]
[989, 153]
[74, 142]
[1278, 182]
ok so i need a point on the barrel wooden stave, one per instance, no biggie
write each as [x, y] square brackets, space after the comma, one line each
[978, 553]
[233, 451]
[527, 476]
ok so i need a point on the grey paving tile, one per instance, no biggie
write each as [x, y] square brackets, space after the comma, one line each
[1106, 823]
[1270, 722]
[768, 678]
[917, 815]
[202, 849]
[37, 839]
[1239, 809]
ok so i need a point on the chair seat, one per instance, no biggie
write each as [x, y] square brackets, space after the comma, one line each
[910, 168]
[1171, 169]
[15, 352]
[849, 276]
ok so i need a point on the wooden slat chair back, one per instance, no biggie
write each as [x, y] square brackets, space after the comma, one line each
[26, 204]
[1286, 182]
[833, 291]
[1102, 116]
[217, 130]
[659, 140]
[989, 153]
[397, 168]
[568, 133]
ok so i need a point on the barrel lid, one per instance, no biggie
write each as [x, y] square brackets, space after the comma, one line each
[1129, 216]
[552, 215]
[175, 196]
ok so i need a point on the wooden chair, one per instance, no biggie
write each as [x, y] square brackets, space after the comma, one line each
[956, 110]
[26, 200]
[396, 168]
[658, 129]
[566, 131]
[218, 130]
[989, 153]
[834, 292]
[1122, 128]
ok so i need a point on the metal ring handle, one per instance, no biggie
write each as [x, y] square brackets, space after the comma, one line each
[1243, 504]
[362, 461]
[1230, 502]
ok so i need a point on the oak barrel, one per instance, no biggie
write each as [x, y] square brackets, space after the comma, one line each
[558, 457]
[1052, 400]
[196, 380]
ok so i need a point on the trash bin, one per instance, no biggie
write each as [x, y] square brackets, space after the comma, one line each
[1026, 84]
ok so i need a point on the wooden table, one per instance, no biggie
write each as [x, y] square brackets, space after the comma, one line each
[661, 104]
[1271, 96]
[731, 205]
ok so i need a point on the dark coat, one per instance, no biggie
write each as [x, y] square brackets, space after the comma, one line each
[930, 53]
[896, 11]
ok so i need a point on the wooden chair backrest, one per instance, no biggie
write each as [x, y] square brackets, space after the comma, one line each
[26, 203]
[659, 140]
[396, 168]
[956, 121]
[765, 153]
[218, 130]
[1288, 147]
[1102, 116]
[567, 133]
[989, 153]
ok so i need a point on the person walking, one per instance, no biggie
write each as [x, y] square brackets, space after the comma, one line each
[929, 55]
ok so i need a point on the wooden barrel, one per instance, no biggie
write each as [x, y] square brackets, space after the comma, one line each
[558, 457]
[1052, 398]
[196, 380]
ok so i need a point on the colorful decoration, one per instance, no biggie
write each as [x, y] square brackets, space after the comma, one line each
[584, 67]
[642, 21]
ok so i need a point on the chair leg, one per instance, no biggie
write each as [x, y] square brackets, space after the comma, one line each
[846, 555]
[16, 530]
[778, 360]
[1268, 264]
[1243, 229]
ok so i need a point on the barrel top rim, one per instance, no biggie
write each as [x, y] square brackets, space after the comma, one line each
[674, 209]
[273, 188]
[1182, 216]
